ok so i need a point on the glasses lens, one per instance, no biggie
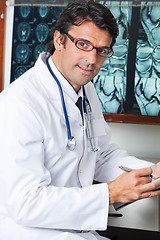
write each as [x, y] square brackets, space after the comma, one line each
[105, 52]
[109, 53]
[87, 46]
[84, 45]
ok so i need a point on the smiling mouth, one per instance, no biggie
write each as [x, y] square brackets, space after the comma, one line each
[86, 70]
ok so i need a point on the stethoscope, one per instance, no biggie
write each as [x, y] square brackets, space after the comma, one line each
[71, 144]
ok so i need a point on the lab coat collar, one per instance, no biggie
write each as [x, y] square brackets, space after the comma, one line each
[48, 82]
[51, 89]
[49, 86]
[69, 92]
[66, 87]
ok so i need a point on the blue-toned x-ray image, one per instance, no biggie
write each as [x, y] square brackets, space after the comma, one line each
[23, 31]
[110, 83]
[129, 81]
[31, 32]
[42, 32]
[147, 73]
[24, 11]
[43, 11]
[22, 53]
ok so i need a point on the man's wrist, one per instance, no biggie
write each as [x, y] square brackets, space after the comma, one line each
[112, 194]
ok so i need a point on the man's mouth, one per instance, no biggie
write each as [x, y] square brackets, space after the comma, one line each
[86, 70]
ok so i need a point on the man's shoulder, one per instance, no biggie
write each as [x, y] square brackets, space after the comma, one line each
[91, 91]
[24, 90]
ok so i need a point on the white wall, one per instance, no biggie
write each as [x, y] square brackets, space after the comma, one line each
[139, 140]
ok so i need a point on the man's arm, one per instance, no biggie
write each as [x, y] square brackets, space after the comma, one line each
[29, 197]
[133, 186]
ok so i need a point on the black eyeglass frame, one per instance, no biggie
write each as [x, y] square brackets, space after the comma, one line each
[75, 41]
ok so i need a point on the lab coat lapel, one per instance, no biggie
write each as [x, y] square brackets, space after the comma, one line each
[45, 78]
[72, 110]
[51, 89]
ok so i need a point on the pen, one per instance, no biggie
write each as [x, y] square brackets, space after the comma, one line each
[115, 215]
[127, 169]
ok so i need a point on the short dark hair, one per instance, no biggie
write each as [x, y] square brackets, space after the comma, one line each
[77, 12]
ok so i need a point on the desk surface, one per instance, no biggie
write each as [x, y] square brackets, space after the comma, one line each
[143, 214]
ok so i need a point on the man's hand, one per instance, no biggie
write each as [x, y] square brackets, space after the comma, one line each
[133, 186]
[156, 170]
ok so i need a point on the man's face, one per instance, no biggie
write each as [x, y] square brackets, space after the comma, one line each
[77, 66]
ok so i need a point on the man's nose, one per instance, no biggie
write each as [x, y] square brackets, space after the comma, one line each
[91, 56]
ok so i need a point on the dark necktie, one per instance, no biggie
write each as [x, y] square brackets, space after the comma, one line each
[79, 105]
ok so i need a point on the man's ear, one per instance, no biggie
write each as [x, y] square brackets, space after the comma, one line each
[58, 40]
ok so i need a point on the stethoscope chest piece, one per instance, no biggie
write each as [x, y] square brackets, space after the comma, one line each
[71, 144]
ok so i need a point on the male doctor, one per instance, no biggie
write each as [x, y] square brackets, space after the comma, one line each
[45, 176]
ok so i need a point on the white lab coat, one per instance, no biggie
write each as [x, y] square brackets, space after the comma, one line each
[46, 190]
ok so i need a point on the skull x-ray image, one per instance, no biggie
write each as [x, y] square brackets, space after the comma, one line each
[31, 32]
[129, 81]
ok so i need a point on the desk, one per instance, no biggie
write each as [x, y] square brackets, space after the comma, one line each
[143, 214]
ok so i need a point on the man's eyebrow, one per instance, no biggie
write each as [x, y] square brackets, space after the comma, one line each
[104, 47]
[83, 39]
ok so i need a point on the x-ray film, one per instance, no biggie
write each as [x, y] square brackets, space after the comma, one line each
[129, 81]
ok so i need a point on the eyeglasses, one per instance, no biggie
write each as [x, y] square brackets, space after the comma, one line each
[87, 46]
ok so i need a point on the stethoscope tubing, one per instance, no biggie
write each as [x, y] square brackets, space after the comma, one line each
[62, 100]
[87, 111]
